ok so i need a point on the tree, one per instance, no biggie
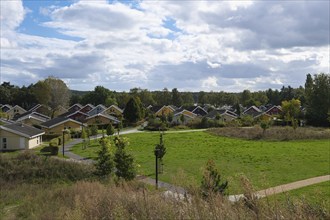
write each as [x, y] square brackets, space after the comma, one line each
[264, 124]
[60, 94]
[124, 162]
[84, 136]
[42, 92]
[94, 130]
[290, 110]
[132, 112]
[203, 98]
[110, 130]
[161, 152]
[187, 99]
[204, 122]
[176, 98]
[104, 163]
[318, 101]
[182, 118]
[246, 97]
[52, 92]
[211, 182]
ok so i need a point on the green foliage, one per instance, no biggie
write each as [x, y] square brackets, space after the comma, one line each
[27, 167]
[104, 163]
[204, 122]
[93, 130]
[290, 109]
[264, 124]
[133, 111]
[161, 151]
[247, 120]
[211, 181]
[125, 168]
[110, 130]
[170, 117]
[176, 98]
[182, 118]
[318, 101]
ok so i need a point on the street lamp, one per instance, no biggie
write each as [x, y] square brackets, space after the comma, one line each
[63, 132]
[157, 156]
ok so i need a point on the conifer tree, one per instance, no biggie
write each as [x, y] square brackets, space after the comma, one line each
[110, 130]
[104, 163]
[211, 182]
[124, 161]
[161, 152]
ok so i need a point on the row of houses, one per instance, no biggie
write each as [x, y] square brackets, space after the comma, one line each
[18, 130]
[19, 126]
[226, 114]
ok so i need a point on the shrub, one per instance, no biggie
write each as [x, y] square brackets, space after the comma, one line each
[124, 162]
[211, 182]
[104, 163]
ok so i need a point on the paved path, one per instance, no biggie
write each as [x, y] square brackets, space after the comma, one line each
[284, 187]
[182, 191]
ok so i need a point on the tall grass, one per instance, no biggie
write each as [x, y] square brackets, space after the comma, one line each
[86, 199]
[94, 200]
[27, 167]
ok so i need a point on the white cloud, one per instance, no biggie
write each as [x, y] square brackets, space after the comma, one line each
[191, 45]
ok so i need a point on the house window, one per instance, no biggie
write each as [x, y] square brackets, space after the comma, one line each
[4, 143]
[38, 140]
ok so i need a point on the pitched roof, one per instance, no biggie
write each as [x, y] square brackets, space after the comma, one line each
[213, 113]
[256, 109]
[5, 121]
[116, 107]
[274, 106]
[110, 117]
[6, 106]
[30, 114]
[23, 130]
[73, 106]
[57, 121]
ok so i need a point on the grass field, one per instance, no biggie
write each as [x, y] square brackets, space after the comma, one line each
[318, 194]
[265, 163]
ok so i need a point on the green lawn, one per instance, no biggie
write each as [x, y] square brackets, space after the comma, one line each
[265, 163]
[314, 194]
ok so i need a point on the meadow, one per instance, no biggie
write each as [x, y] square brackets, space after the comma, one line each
[38, 187]
[265, 163]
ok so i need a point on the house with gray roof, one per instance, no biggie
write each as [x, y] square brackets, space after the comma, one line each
[19, 136]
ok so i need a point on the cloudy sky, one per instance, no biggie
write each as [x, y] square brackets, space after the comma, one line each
[189, 45]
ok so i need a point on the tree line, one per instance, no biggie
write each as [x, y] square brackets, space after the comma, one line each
[53, 92]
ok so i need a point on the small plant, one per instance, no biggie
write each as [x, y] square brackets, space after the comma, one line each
[264, 124]
[294, 124]
[84, 137]
[104, 163]
[110, 130]
[211, 182]
[161, 152]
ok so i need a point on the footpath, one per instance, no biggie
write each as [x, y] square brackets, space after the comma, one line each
[180, 192]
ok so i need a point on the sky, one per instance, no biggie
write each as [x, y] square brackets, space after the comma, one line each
[190, 45]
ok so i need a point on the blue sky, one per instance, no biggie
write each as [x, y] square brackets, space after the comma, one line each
[189, 45]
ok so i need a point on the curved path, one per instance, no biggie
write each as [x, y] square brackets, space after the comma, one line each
[284, 187]
[180, 190]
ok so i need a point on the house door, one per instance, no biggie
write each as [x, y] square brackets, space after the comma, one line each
[22, 143]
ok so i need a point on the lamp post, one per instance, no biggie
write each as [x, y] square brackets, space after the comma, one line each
[63, 142]
[156, 156]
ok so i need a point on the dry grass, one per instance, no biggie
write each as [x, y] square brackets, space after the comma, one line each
[273, 133]
[93, 200]
[88, 199]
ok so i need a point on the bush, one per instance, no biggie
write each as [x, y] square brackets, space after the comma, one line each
[156, 125]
